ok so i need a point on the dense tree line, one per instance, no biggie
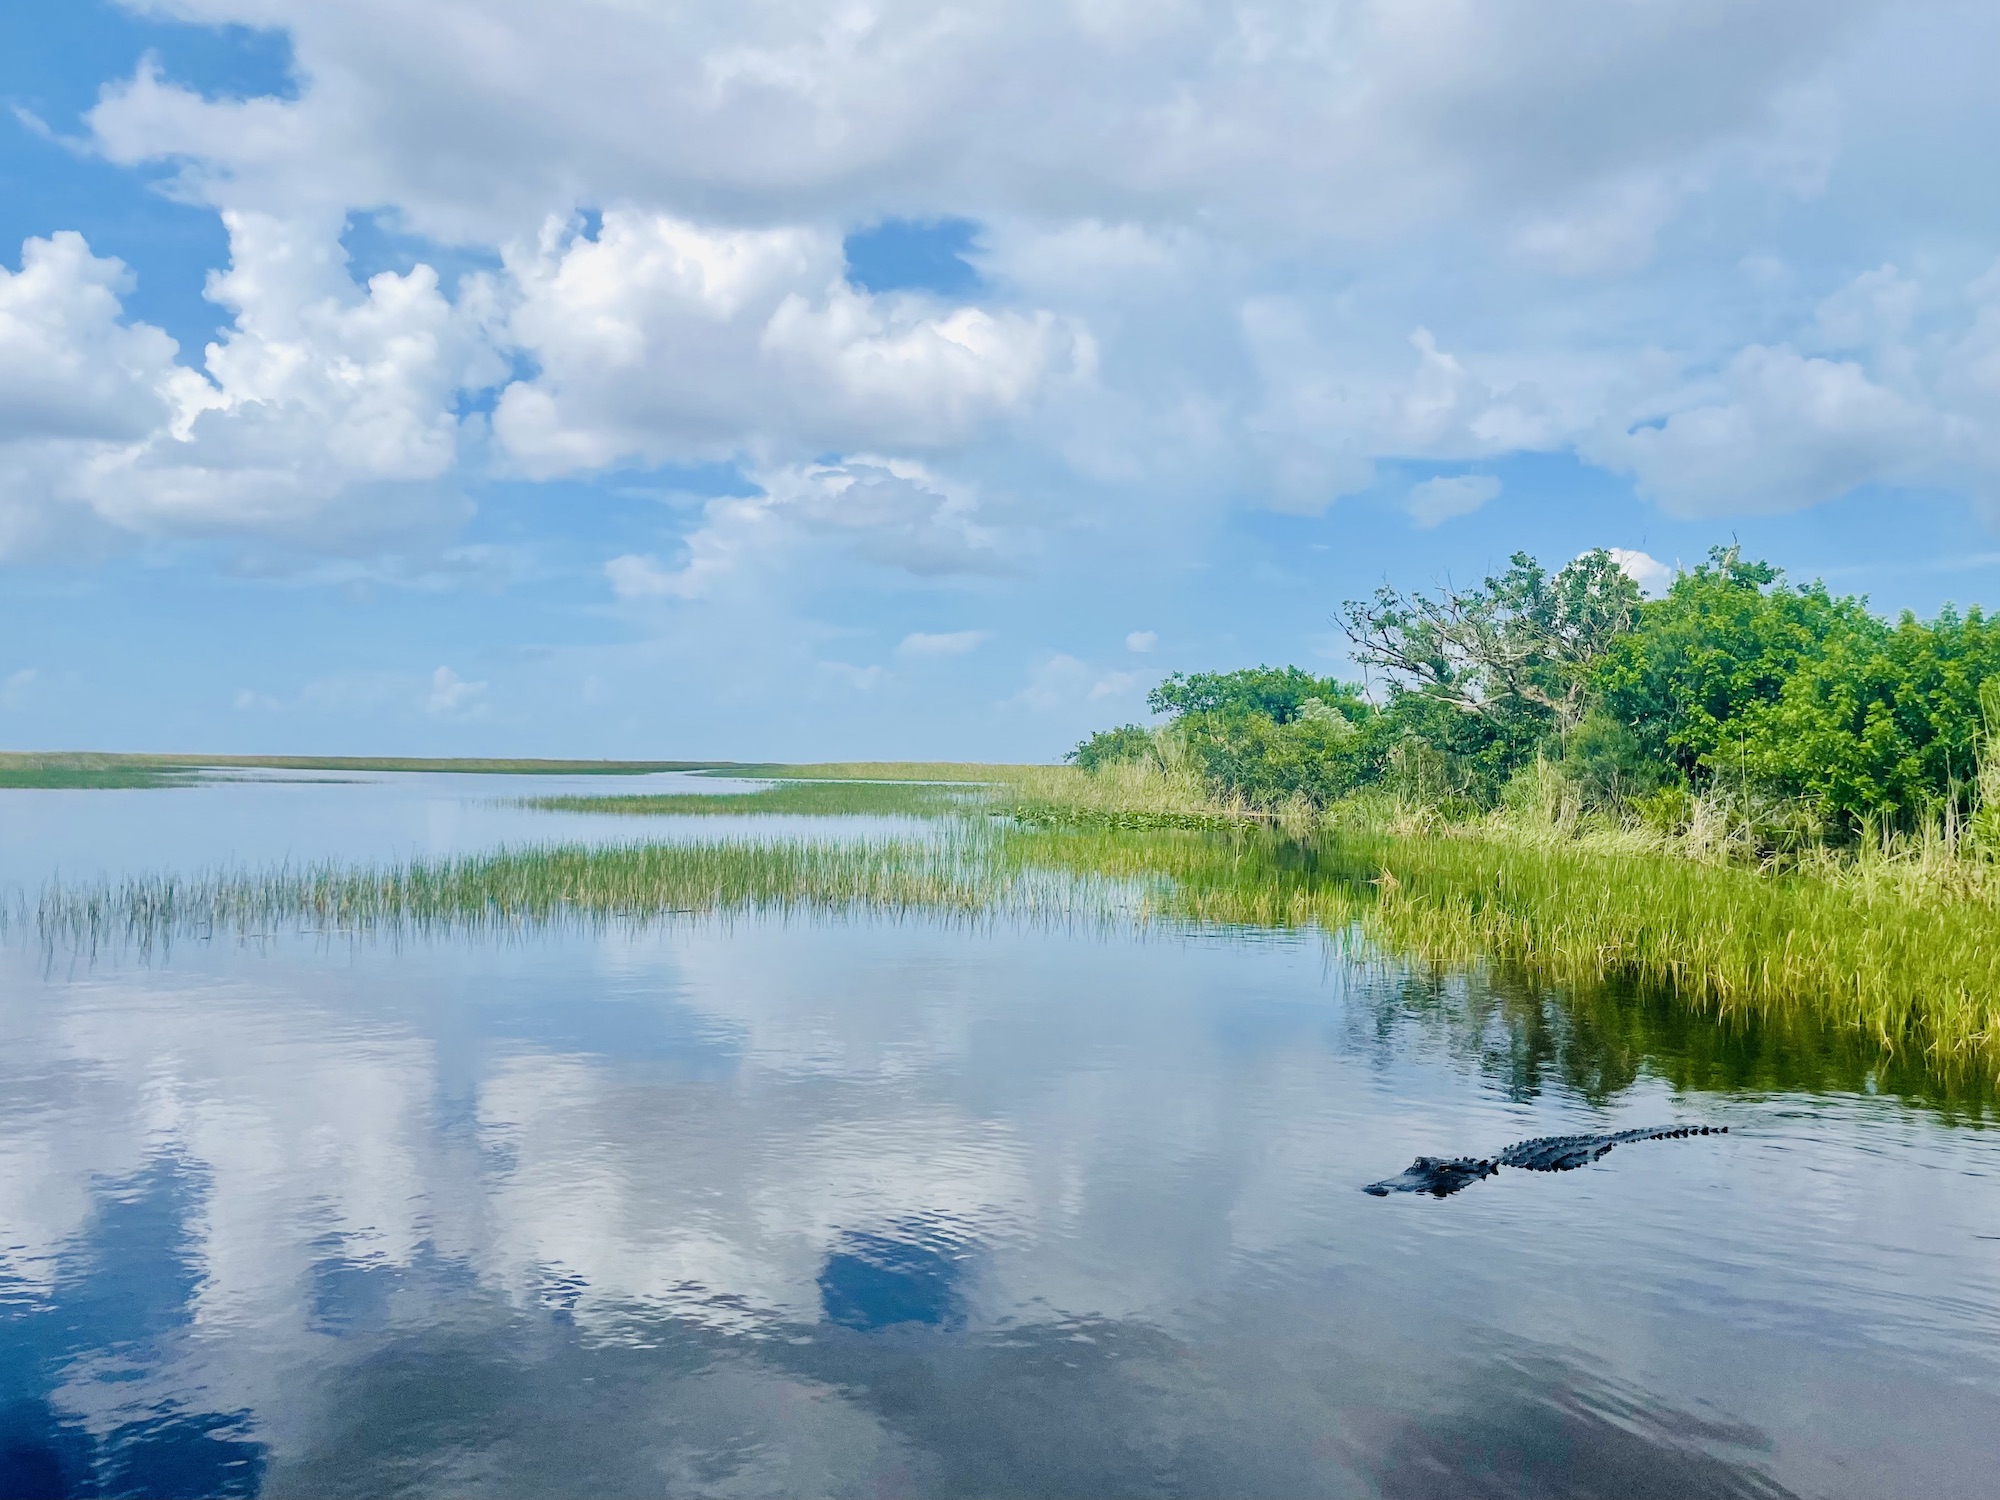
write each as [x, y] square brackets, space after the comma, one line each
[1734, 683]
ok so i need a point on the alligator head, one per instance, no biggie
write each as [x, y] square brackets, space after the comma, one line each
[1440, 1176]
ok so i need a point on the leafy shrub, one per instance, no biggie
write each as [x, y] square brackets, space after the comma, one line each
[1114, 747]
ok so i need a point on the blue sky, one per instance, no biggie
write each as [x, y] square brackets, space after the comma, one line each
[897, 379]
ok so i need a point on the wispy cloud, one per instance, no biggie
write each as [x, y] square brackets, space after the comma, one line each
[1436, 501]
[452, 694]
[861, 679]
[920, 644]
[637, 576]
[1062, 681]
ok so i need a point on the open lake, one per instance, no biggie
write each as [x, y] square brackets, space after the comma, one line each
[912, 1205]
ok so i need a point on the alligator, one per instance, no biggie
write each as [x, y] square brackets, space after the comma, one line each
[1441, 1176]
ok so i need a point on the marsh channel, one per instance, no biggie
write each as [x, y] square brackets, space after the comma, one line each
[853, 1199]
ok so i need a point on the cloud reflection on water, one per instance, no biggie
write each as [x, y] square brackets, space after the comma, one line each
[897, 1206]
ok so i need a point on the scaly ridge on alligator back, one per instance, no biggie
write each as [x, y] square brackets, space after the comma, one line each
[1441, 1176]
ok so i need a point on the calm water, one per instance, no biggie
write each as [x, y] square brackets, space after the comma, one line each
[883, 1208]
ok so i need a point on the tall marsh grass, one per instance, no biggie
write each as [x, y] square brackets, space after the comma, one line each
[1885, 944]
[965, 875]
[1913, 972]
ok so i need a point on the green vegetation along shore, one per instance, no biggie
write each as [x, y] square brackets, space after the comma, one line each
[1738, 707]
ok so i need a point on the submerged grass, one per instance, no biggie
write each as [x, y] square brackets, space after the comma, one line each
[801, 798]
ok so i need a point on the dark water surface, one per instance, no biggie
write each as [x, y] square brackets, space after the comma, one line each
[881, 1208]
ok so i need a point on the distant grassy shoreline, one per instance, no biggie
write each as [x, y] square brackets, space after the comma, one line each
[85, 769]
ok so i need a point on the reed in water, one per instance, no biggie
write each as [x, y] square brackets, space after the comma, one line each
[1915, 975]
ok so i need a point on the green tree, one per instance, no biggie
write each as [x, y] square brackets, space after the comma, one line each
[1279, 693]
[1725, 640]
[1825, 715]
[1606, 761]
[1879, 723]
[1267, 734]
[1319, 753]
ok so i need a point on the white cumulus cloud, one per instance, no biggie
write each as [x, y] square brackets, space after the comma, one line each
[70, 368]
[1652, 575]
[320, 393]
[1779, 428]
[1788, 431]
[1231, 255]
[660, 340]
